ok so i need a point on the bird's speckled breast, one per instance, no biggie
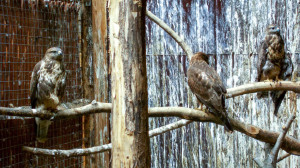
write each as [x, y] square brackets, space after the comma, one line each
[276, 48]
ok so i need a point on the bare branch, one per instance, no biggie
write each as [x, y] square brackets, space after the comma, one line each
[263, 86]
[283, 157]
[169, 127]
[258, 162]
[102, 148]
[274, 153]
[290, 144]
[67, 153]
[95, 107]
[171, 32]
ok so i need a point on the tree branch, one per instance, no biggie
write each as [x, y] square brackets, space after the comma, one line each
[263, 86]
[258, 162]
[290, 144]
[94, 107]
[283, 157]
[97, 107]
[171, 32]
[272, 160]
[272, 154]
[169, 127]
[67, 153]
[102, 148]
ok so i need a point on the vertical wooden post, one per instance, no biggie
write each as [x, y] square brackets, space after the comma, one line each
[101, 80]
[88, 123]
[130, 138]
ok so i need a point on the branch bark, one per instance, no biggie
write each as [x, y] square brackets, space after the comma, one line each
[169, 127]
[289, 144]
[67, 153]
[102, 148]
[171, 32]
[98, 107]
[95, 107]
[283, 157]
[272, 154]
[263, 86]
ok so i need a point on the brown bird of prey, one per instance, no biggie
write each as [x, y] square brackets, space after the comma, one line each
[273, 65]
[47, 87]
[206, 84]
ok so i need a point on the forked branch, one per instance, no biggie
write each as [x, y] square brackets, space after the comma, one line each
[97, 107]
[171, 32]
[271, 159]
[289, 144]
[102, 148]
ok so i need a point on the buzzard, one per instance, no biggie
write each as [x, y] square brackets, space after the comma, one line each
[206, 84]
[273, 65]
[47, 87]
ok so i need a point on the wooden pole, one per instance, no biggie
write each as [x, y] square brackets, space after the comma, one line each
[87, 89]
[101, 80]
[130, 138]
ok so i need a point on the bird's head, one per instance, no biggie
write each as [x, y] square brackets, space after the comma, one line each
[273, 29]
[200, 56]
[54, 53]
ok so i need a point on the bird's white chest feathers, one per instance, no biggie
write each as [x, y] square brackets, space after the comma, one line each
[50, 72]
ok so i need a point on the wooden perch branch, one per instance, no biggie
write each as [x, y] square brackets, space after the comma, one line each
[275, 150]
[169, 127]
[283, 157]
[94, 107]
[171, 32]
[67, 153]
[102, 148]
[263, 86]
[97, 107]
[271, 160]
[289, 144]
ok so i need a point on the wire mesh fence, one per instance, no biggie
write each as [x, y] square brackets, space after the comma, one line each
[28, 29]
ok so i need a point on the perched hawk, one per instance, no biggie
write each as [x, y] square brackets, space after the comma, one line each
[273, 64]
[47, 87]
[206, 84]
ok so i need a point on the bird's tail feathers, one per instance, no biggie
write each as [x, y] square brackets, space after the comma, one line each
[225, 120]
[42, 129]
[227, 125]
[277, 98]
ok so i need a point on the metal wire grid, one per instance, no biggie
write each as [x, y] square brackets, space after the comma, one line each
[16, 133]
[26, 32]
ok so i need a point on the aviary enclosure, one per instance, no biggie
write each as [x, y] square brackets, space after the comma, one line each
[127, 61]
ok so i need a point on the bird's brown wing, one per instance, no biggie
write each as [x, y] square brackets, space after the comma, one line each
[206, 85]
[61, 85]
[261, 61]
[33, 84]
[285, 74]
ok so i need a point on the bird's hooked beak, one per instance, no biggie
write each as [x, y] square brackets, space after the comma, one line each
[277, 30]
[60, 55]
